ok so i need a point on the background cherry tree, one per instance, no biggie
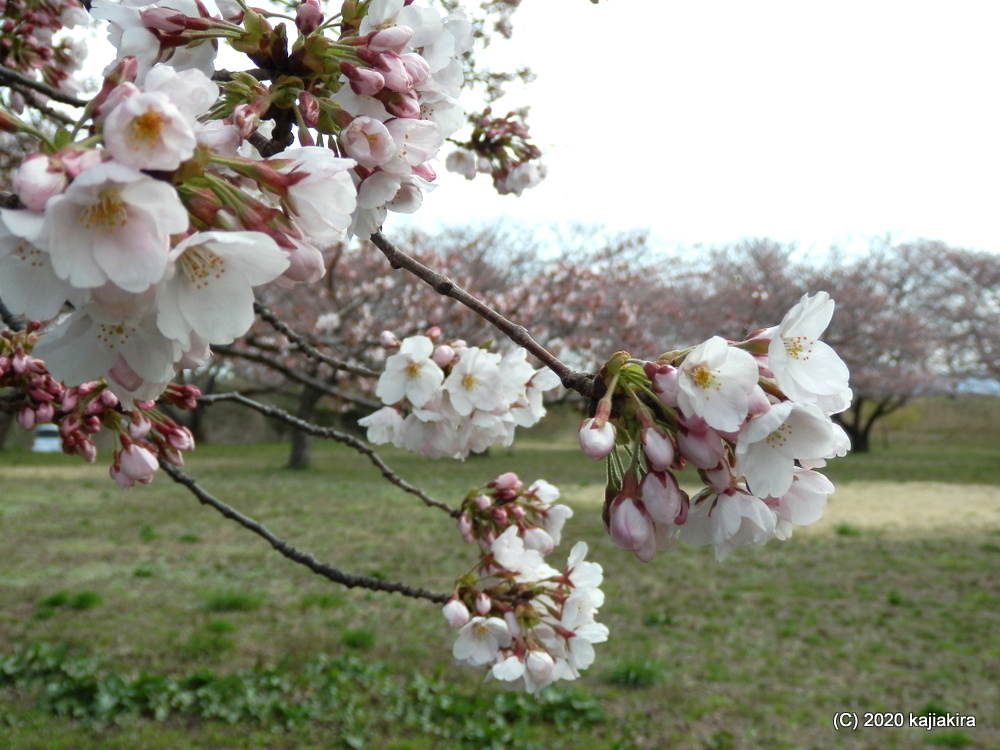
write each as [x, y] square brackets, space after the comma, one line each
[184, 208]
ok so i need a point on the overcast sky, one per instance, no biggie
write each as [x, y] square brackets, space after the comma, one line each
[802, 121]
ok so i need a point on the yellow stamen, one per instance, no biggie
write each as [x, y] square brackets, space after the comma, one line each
[146, 128]
[201, 265]
[107, 215]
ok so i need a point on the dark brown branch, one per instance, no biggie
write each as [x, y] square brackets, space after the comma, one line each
[10, 77]
[32, 101]
[306, 348]
[331, 434]
[294, 554]
[583, 383]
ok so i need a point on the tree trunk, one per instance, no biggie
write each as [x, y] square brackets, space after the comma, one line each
[6, 420]
[300, 456]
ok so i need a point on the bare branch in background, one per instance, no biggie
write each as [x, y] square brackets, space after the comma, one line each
[12, 78]
[332, 434]
[293, 553]
[306, 348]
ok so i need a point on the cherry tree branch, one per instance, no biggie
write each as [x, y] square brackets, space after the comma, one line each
[12, 77]
[294, 554]
[583, 383]
[306, 348]
[12, 321]
[331, 434]
[228, 350]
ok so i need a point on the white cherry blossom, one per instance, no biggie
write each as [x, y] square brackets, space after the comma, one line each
[715, 381]
[113, 224]
[410, 373]
[146, 131]
[769, 444]
[210, 290]
[805, 367]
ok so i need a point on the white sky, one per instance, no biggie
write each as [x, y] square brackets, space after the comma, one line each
[802, 121]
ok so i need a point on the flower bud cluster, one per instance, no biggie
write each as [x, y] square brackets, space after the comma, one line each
[145, 436]
[527, 622]
[449, 399]
[754, 417]
[29, 44]
[499, 147]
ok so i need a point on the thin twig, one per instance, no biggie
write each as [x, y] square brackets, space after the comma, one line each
[10, 76]
[331, 434]
[294, 554]
[583, 383]
[305, 347]
[251, 355]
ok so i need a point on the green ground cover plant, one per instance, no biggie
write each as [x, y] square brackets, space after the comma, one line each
[757, 651]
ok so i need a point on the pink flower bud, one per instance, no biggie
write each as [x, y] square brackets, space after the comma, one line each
[388, 340]
[719, 478]
[631, 528]
[180, 438]
[704, 449]
[38, 179]
[364, 81]
[45, 412]
[666, 385]
[758, 401]
[163, 19]
[124, 481]
[402, 104]
[308, 16]
[507, 481]
[416, 68]
[443, 356]
[483, 502]
[465, 527]
[597, 439]
[26, 417]
[483, 604]
[393, 39]
[658, 449]
[661, 496]
[390, 65]
[306, 264]
[138, 463]
[309, 106]
[138, 425]
[456, 613]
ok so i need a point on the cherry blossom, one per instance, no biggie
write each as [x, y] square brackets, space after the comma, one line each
[715, 382]
[112, 224]
[209, 292]
[410, 373]
[803, 366]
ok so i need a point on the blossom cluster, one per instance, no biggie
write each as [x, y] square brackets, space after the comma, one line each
[527, 622]
[449, 399]
[499, 147]
[160, 219]
[754, 417]
[143, 435]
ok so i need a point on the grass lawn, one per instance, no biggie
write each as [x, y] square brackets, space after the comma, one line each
[890, 605]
